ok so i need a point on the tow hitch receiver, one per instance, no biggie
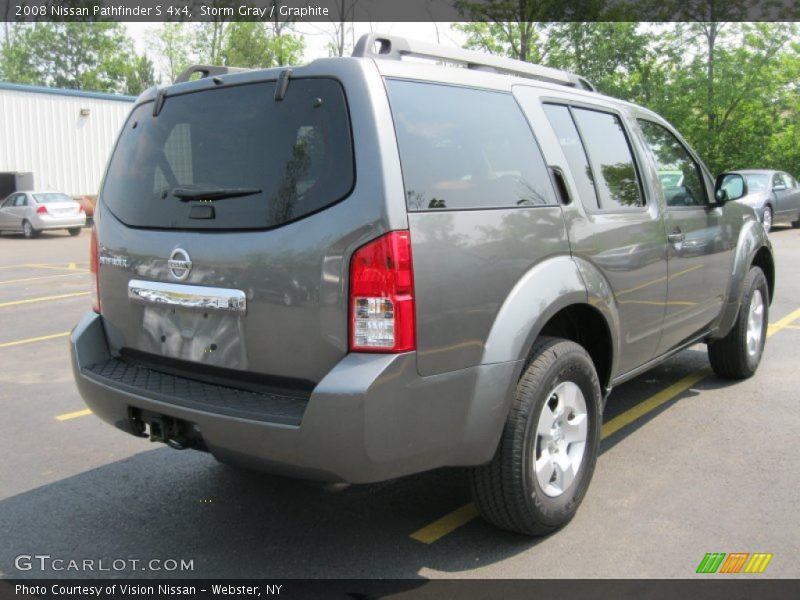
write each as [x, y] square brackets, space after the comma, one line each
[161, 428]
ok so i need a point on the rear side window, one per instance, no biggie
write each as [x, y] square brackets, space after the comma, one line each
[463, 148]
[611, 158]
[233, 158]
[570, 141]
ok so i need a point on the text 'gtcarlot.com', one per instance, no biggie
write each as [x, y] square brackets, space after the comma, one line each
[46, 562]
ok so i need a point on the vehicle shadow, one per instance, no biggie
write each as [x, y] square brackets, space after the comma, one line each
[163, 504]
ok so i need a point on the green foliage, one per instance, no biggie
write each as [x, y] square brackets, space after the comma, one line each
[730, 88]
[140, 76]
[248, 44]
[90, 56]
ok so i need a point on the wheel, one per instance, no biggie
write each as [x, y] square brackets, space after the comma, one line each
[28, 230]
[736, 356]
[766, 220]
[547, 452]
[73, 231]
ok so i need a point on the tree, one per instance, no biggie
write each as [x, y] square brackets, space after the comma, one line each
[140, 76]
[75, 55]
[344, 10]
[617, 57]
[729, 95]
[509, 27]
[252, 45]
[173, 43]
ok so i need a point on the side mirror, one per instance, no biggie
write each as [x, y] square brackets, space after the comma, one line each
[729, 186]
[778, 187]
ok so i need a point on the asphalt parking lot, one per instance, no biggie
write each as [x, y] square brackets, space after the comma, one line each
[690, 464]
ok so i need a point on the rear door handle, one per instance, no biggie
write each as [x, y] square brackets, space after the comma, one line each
[557, 176]
[676, 237]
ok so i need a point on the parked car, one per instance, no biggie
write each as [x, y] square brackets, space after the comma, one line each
[33, 212]
[468, 299]
[774, 195]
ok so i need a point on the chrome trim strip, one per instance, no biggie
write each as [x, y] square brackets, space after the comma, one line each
[187, 296]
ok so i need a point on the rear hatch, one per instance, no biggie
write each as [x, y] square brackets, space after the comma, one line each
[222, 232]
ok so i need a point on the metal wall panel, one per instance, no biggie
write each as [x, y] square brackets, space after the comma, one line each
[45, 133]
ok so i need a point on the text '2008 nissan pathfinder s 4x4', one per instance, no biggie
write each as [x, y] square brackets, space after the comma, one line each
[368, 267]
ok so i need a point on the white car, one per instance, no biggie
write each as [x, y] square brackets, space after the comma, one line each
[33, 212]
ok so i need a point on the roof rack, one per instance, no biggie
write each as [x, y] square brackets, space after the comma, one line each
[206, 71]
[377, 45]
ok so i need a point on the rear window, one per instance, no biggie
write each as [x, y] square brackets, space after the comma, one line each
[233, 158]
[462, 148]
[48, 198]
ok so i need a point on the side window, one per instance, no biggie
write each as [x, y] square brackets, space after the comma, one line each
[779, 180]
[564, 127]
[463, 148]
[611, 159]
[680, 175]
[8, 202]
[21, 200]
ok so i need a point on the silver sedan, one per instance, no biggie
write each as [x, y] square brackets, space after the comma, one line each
[775, 195]
[33, 212]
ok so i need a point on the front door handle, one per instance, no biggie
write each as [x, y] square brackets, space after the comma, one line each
[676, 237]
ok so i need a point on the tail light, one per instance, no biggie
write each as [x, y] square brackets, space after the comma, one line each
[94, 267]
[80, 208]
[42, 210]
[382, 296]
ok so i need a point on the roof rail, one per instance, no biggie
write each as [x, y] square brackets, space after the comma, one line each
[206, 71]
[377, 45]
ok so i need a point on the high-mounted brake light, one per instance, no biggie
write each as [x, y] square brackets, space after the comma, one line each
[94, 267]
[382, 296]
[42, 210]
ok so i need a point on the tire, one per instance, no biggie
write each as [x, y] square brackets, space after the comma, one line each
[28, 230]
[507, 491]
[796, 224]
[73, 231]
[767, 219]
[737, 355]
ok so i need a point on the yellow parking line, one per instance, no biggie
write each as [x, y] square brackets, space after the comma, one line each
[784, 322]
[43, 299]
[74, 415]
[652, 403]
[448, 523]
[461, 516]
[68, 267]
[41, 338]
[24, 279]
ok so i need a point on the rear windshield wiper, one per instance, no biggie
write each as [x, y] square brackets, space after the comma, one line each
[185, 194]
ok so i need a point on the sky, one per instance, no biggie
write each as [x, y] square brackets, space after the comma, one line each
[317, 35]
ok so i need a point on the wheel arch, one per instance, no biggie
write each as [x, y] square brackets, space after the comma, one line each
[561, 297]
[753, 248]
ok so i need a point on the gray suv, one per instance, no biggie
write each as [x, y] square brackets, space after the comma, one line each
[368, 267]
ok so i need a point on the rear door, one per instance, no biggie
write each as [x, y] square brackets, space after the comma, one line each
[620, 229]
[700, 242]
[223, 232]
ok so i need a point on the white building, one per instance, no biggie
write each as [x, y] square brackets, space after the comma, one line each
[63, 137]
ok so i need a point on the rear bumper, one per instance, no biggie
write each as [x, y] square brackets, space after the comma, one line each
[371, 418]
[50, 222]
